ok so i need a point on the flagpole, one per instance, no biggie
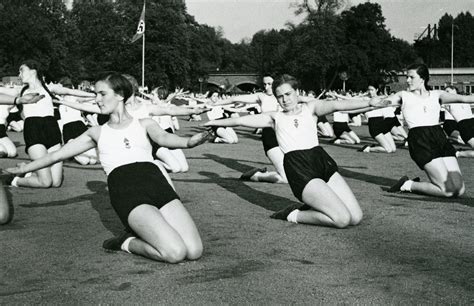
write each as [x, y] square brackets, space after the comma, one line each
[143, 62]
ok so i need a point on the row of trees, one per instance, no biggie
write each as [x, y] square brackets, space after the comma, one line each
[94, 37]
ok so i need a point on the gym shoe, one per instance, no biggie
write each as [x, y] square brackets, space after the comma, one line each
[115, 243]
[398, 185]
[282, 214]
[365, 149]
[247, 175]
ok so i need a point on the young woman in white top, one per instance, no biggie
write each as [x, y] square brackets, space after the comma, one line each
[462, 114]
[312, 174]
[427, 142]
[9, 98]
[159, 226]
[267, 103]
[41, 131]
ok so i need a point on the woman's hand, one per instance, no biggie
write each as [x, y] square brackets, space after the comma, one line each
[201, 138]
[19, 169]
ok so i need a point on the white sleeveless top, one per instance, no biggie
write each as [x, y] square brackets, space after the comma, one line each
[459, 111]
[69, 114]
[4, 112]
[296, 132]
[42, 108]
[421, 111]
[340, 117]
[389, 112]
[268, 103]
[378, 112]
[124, 146]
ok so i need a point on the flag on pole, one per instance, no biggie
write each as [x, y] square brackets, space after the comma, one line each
[141, 26]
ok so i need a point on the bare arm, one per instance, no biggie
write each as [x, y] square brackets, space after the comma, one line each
[447, 98]
[246, 99]
[85, 107]
[173, 110]
[168, 140]
[74, 147]
[71, 92]
[26, 99]
[252, 121]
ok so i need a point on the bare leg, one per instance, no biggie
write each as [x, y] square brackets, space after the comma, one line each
[328, 209]
[275, 155]
[387, 145]
[159, 237]
[46, 177]
[445, 176]
[7, 146]
[6, 215]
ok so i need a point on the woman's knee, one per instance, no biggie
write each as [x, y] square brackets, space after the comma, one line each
[194, 252]
[342, 220]
[174, 253]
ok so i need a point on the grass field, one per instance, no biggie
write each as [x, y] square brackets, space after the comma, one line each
[409, 249]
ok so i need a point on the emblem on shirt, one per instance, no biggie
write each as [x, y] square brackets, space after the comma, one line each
[296, 123]
[127, 143]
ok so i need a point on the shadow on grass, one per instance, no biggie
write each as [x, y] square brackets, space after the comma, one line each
[100, 202]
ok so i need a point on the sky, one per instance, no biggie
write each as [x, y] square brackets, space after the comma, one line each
[241, 19]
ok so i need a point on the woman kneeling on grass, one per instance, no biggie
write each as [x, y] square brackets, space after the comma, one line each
[159, 227]
[312, 174]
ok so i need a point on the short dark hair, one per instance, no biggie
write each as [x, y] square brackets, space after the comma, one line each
[119, 84]
[422, 71]
[285, 79]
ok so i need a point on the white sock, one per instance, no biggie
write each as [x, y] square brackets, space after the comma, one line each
[14, 182]
[407, 186]
[125, 244]
[293, 215]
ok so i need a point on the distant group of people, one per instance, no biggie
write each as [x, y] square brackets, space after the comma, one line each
[137, 146]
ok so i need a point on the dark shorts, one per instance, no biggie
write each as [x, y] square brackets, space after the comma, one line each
[466, 129]
[135, 184]
[322, 119]
[392, 122]
[73, 130]
[302, 166]
[450, 126]
[426, 143]
[3, 131]
[41, 130]
[339, 128]
[269, 139]
[376, 126]
[15, 116]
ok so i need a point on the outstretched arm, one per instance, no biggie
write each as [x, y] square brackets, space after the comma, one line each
[60, 90]
[246, 99]
[252, 121]
[447, 98]
[26, 99]
[168, 140]
[85, 107]
[173, 110]
[74, 147]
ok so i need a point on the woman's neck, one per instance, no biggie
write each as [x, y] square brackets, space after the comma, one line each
[34, 84]
[119, 116]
